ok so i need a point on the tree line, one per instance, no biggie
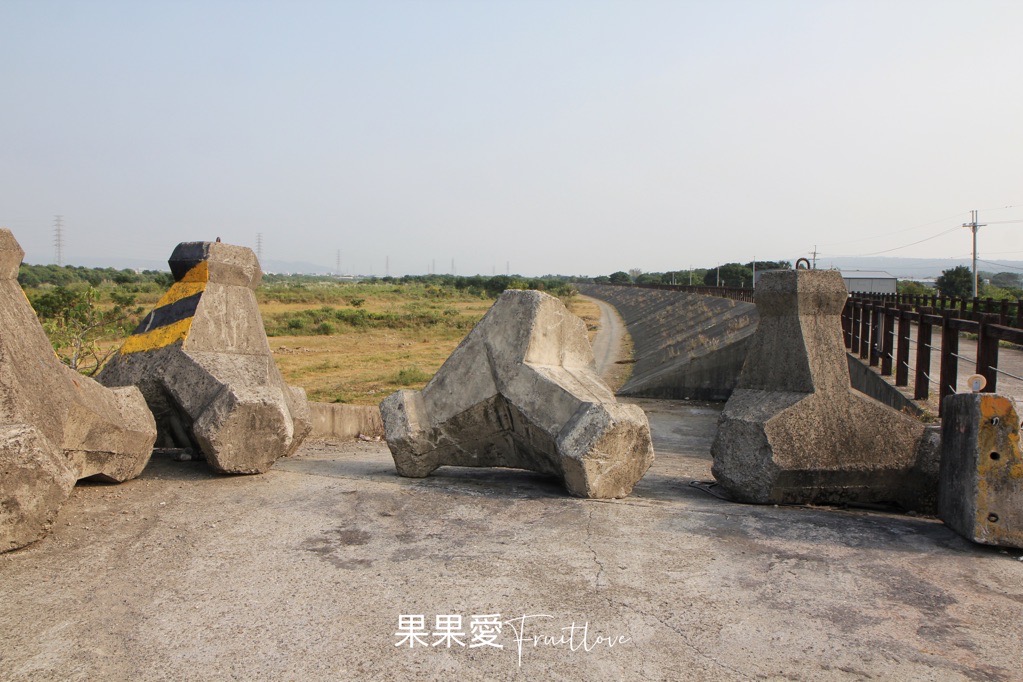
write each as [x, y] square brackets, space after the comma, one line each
[734, 275]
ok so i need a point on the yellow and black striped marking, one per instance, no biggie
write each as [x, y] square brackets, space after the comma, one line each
[171, 319]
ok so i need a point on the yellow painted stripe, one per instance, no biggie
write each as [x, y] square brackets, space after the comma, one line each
[199, 273]
[157, 338]
[180, 290]
[192, 283]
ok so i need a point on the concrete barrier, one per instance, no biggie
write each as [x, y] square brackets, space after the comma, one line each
[521, 391]
[337, 420]
[56, 426]
[981, 483]
[202, 361]
[795, 431]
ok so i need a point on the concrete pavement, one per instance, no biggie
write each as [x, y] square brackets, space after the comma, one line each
[304, 572]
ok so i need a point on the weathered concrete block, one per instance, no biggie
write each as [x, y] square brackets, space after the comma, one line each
[57, 425]
[35, 480]
[521, 391]
[203, 363]
[980, 495]
[794, 431]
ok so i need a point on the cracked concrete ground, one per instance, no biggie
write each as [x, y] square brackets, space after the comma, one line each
[302, 574]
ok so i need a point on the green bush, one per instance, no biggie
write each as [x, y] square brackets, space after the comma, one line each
[411, 375]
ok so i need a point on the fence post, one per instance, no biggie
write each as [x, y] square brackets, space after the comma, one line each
[888, 347]
[923, 359]
[875, 334]
[902, 359]
[854, 348]
[846, 322]
[865, 330]
[987, 356]
[949, 376]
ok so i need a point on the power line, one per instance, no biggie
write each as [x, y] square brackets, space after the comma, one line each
[896, 248]
[1000, 265]
[58, 239]
[888, 234]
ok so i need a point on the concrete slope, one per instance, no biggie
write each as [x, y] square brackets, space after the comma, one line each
[684, 345]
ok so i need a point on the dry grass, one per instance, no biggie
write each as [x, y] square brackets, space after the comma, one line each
[588, 311]
[363, 367]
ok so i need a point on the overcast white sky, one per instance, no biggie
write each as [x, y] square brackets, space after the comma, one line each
[569, 137]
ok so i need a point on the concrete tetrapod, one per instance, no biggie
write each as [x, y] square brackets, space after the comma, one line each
[521, 391]
[56, 426]
[203, 363]
[794, 431]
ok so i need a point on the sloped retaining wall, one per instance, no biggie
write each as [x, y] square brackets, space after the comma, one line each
[686, 346]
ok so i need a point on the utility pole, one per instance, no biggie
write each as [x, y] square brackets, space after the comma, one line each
[338, 268]
[58, 239]
[690, 275]
[813, 256]
[973, 225]
[719, 275]
[754, 283]
[452, 267]
[259, 247]
[433, 266]
[387, 266]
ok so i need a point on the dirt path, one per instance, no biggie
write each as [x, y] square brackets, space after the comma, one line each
[611, 344]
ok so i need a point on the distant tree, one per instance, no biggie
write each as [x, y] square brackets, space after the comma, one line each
[620, 278]
[1006, 280]
[634, 273]
[906, 286]
[957, 282]
[770, 265]
[602, 279]
[76, 326]
[650, 278]
[731, 275]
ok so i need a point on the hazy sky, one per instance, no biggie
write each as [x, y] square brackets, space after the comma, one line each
[570, 137]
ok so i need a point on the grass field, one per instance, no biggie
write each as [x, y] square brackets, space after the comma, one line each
[404, 339]
[346, 342]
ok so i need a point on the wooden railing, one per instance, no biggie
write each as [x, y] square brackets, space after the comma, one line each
[878, 329]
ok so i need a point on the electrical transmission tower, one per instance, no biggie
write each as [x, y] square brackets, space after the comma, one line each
[58, 239]
[339, 262]
[259, 247]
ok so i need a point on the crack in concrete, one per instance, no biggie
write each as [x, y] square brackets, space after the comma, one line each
[695, 649]
[596, 559]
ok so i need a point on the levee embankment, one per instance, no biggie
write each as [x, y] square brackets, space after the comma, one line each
[685, 346]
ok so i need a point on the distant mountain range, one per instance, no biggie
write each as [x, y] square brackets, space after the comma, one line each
[917, 268]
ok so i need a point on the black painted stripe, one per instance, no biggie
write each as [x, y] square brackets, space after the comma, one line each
[169, 314]
[186, 256]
